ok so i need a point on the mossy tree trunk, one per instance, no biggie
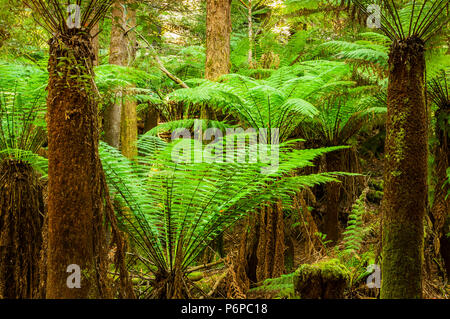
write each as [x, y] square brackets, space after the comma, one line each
[120, 117]
[75, 214]
[117, 56]
[405, 176]
[128, 127]
[250, 34]
[21, 220]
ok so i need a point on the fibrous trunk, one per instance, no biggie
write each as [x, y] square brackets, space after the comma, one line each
[440, 210]
[265, 256]
[405, 193]
[21, 219]
[333, 191]
[75, 215]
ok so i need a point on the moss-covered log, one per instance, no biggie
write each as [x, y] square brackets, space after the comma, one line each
[324, 280]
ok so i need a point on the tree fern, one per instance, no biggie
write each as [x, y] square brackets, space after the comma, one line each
[20, 135]
[280, 101]
[175, 209]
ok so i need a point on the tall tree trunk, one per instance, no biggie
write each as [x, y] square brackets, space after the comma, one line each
[117, 55]
[218, 31]
[405, 176]
[121, 118]
[128, 129]
[75, 215]
[21, 210]
[250, 35]
[333, 190]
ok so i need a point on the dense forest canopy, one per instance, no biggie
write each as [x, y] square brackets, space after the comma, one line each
[224, 149]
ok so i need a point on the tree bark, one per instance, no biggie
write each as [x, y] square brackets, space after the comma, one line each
[117, 55]
[333, 190]
[405, 176]
[151, 118]
[128, 130]
[75, 215]
[21, 211]
[121, 117]
[440, 210]
[250, 34]
[95, 44]
[218, 31]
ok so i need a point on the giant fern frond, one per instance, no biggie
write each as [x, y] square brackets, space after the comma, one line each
[173, 209]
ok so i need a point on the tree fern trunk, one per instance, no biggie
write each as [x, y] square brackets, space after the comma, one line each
[75, 214]
[405, 193]
[440, 211]
[332, 192]
[21, 209]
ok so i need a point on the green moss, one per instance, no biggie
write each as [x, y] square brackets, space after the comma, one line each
[324, 280]
[196, 275]
[398, 141]
[329, 269]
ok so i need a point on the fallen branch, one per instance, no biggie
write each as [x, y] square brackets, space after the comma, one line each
[205, 265]
[161, 65]
[216, 285]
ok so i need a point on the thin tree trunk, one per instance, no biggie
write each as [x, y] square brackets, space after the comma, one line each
[121, 117]
[250, 34]
[117, 55]
[405, 176]
[128, 129]
[75, 215]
